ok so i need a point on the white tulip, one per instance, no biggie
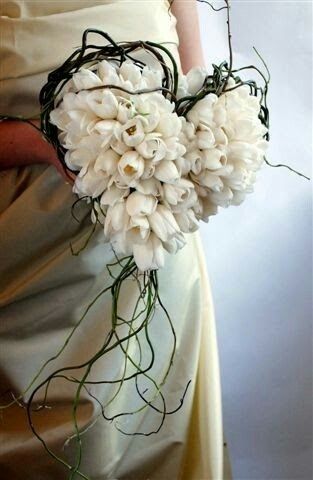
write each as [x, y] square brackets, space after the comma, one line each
[76, 101]
[174, 149]
[210, 180]
[166, 171]
[106, 129]
[138, 230]
[81, 122]
[169, 125]
[213, 159]
[182, 90]
[187, 221]
[223, 197]
[85, 79]
[149, 255]
[125, 110]
[163, 223]
[90, 183]
[133, 133]
[103, 103]
[195, 79]
[130, 167]
[148, 108]
[85, 153]
[195, 160]
[182, 166]
[131, 73]
[207, 208]
[152, 147]
[113, 194]
[116, 218]
[78, 159]
[107, 161]
[107, 73]
[59, 118]
[148, 170]
[139, 204]
[177, 192]
[205, 139]
[201, 114]
[116, 143]
[150, 186]
[151, 78]
[175, 243]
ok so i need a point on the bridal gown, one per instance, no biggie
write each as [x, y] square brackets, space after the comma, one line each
[44, 289]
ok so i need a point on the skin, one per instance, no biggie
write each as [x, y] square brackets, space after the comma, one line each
[21, 144]
[190, 49]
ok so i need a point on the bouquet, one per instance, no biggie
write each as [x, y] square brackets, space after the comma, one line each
[154, 153]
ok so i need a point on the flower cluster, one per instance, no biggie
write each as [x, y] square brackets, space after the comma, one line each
[153, 174]
[225, 143]
[125, 147]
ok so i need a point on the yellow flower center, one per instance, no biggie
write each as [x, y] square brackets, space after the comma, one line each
[131, 130]
[129, 170]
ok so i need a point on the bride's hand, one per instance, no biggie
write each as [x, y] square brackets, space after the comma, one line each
[22, 144]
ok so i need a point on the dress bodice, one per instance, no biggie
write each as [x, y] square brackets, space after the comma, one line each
[37, 36]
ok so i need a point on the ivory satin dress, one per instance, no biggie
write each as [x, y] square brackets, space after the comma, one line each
[44, 289]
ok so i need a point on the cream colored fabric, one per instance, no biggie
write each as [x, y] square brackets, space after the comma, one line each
[44, 288]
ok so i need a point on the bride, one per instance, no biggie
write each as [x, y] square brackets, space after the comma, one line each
[44, 288]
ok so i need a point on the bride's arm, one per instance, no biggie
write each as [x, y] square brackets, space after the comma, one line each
[190, 49]
[21, 144]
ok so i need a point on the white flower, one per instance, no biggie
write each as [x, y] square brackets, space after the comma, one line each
[175, 243]
[139, 204]
[191, 83]
[187, 221]
[84, 153]
[152, 147]
[166, 171]
[108, 73]
[107, 161]
[90, 183]
[103, 103]
[138, 230]
[113, 194]
[85, 79]
[163, 223]
[116, 218]
[169, 125]
[150, 186]
[106, 128]
[195, 79]
[148, 108]
[230, 140]
[133, 133]
[205, 138]
[177, 192]
[130, 167]
[201, 115]
[149, 255]
[131, 73]
[151, 78]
